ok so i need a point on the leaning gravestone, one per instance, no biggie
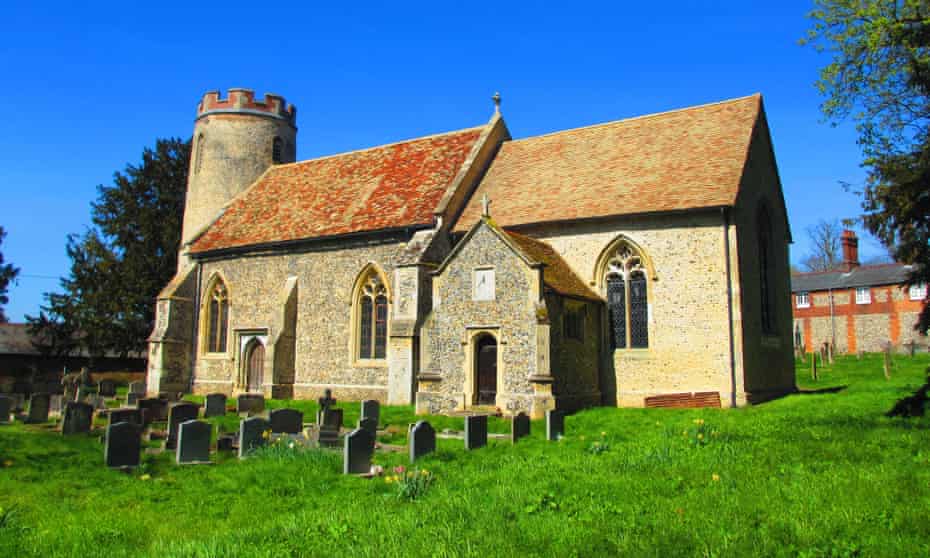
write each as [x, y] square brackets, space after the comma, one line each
[78, 418]
[422, 440]
[123, 445]
[250, 403]
[519, 427]
[133, 416]
[476, 432]
[39, 405]
[369, 424]
[359, 447]
[555, 424]
[106, 388]
[215, 405]
[6, 407]
[156, 410]
[371, 409]
[194, 442]
[286, 421]
[252, 434]
[178, 413]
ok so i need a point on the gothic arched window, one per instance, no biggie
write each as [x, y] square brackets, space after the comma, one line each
[217, 318]
[198, 155]
[373, 316]
[277, 151]
[764, 248]
[627, 301]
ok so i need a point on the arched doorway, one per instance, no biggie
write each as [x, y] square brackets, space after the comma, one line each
[254, 365]
[486, 370]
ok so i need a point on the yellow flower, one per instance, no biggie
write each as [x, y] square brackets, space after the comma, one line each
[145, 477]
[715, 477]
[425, 472]
[266, 434]
[603, 434]
[700, 436]
[387, 480]
[698, 421]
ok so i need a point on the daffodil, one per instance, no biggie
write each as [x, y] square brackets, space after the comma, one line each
[715, 477]
[145, 477]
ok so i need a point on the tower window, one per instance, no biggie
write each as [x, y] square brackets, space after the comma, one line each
[217, 318]
[277, 151]
[198, 156]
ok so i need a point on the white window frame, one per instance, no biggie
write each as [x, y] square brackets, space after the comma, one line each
[803, 299]
[863, 295]
[917, 292]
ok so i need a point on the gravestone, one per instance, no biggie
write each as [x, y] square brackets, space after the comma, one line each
[369, 424]
[326, 403]
[422, 440]
[78, 418]
[286, 421]
[250, 403]
[194, 442]
[476, 432]
[555, 424]
[97, 401]
[328, 430]
[178, 413]
[55, 405]
[170, 396]
[519, 427]
[371, 409]
[156, 410]
[226, 442]
[252, 434]
[106, 388]
[19, 402]
[215, 405]
[137, 388]
[359, 447]
[133, 416]
[71, 390]
[133, 398]
[39, 405]
[6, 407]
[123, 445]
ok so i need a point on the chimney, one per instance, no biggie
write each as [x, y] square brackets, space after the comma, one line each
[850, 250]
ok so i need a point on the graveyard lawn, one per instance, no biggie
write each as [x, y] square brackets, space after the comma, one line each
[820, 473]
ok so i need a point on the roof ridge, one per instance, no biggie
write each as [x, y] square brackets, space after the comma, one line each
[844, 271]
[640, 117]
[373, 147]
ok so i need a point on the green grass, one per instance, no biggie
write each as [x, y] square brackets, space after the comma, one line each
[813, 474]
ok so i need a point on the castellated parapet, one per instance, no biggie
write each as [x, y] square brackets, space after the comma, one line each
[236, 139]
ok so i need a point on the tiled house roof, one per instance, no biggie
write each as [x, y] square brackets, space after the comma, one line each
[386, 187]
[861, 276]
[685, 159]
[556, 273]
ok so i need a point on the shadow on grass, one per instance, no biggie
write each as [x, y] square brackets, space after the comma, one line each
[822, 391]
[913, 405]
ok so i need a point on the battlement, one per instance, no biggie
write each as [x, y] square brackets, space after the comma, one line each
[240, 100]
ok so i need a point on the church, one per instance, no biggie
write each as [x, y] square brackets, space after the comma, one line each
[640, 262]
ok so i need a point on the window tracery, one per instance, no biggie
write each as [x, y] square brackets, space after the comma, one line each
[373, 316]
[627, 300]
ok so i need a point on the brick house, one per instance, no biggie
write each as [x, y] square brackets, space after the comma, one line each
[856, 307]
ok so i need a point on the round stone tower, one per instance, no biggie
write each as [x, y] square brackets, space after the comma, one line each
[235, 140]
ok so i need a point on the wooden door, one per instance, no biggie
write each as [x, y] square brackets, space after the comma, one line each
[486, 370]
[255, 363]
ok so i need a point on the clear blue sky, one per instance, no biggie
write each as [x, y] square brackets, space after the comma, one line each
[85, 86]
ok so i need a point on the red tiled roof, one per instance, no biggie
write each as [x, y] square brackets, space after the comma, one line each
[556, 275]
[684, 159]
[383, 187]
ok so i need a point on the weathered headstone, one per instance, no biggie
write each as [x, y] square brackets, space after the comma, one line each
[326, 403]
[106, 388]
[137, 388]
[71, 391]
[178, 413]
[170, 396]
[814, 366]
[359, 447]
[519, 427]
[194, 442]
[123, 445]
[133, 416]
[422, 440]
[252, 434]
[6, 407]
[156, 410]
[555, 424]
[371, 409]
[369, 424]
[215, 405]
[55, 404]
[286, 421]
[250, 403]
[226, 442]
[78, 418]
[476, 432]
[39, 405]
[133, 398]
[328, 430]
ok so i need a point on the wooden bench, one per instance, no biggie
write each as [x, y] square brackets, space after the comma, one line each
[693, 400]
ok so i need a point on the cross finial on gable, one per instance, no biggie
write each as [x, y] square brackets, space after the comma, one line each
[497, 102]
[485, 205]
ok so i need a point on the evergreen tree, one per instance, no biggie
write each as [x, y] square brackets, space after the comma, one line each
[8, 274]
[879, 77]
[118, 267]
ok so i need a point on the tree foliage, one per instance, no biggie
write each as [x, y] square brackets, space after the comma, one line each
[107, 302]
[879, 77]
[8, 274]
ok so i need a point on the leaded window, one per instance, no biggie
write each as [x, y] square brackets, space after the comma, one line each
[277, 149]
[627, 299]
[373, 318]
[217, 318]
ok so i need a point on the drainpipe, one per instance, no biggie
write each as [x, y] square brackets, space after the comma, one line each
[726, 253]
[194, 324]
[832, 322]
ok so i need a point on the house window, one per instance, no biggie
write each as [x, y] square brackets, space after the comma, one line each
[373, 319]
[217, 318]
[766, 272]
[627, 300]
[277, 149]
[863, 295]
[573, 323]
[917, 292]
[484, 284]
[803, 300]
